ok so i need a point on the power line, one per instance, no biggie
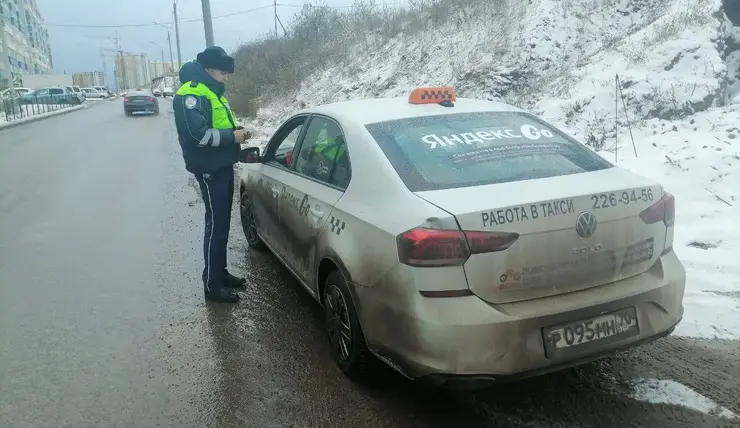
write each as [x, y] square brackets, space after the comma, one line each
[151, 24]
[214, 17]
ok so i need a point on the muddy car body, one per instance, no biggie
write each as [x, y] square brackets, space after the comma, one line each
[463, 240]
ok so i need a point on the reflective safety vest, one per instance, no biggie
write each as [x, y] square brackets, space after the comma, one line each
[331, 149]
[221, 115]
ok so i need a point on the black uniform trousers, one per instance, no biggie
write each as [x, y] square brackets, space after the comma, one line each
[217, 189]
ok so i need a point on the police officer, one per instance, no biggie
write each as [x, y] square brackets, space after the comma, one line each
[210, 139]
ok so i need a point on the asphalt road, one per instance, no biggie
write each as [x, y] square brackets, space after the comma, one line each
[103, 324]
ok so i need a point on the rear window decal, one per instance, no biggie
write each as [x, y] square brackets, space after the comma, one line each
[479, 136]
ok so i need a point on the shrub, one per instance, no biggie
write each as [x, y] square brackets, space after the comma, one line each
[319, 35]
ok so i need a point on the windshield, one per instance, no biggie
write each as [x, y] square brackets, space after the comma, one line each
[471, 149]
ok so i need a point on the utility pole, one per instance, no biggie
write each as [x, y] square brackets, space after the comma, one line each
[164, 69]
[121, 64]
[105, 69]
[275, 18]
[207, 22]
[169, 41]
[177, 36]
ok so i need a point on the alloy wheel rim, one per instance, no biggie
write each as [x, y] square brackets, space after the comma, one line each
[340, 329]
[250, 228]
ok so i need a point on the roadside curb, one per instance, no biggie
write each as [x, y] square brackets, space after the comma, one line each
[32, 119]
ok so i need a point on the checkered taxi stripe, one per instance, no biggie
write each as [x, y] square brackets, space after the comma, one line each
[441, 94]
[337, 226]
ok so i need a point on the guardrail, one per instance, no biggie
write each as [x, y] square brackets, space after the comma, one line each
[15, 108]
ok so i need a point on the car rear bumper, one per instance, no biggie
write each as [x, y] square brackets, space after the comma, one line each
[141, 108]
[465, 338]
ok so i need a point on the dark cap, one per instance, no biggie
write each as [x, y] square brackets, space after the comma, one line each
[217, 58]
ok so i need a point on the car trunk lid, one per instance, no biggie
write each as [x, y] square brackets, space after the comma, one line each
[574, 232]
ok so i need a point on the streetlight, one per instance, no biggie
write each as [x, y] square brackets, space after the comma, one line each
[162, 51]
[169, 40]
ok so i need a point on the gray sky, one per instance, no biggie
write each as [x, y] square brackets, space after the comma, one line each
[78, 49]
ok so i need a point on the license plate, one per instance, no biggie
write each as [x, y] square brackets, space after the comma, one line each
[606, 327]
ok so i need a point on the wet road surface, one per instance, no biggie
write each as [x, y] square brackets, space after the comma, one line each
[103, 324]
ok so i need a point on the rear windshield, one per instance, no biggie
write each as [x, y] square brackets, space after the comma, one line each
[473, 149]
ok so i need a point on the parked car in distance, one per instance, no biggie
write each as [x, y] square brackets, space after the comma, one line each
[94, 93]
[167, 92]
[78, 94]
[104, 89]
[51, 95]
[157, 92]
[78, 91]
[140, 102]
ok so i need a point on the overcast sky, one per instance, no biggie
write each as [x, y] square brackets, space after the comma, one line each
[78, 49]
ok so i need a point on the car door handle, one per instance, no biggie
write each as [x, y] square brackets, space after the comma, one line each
[316, 213]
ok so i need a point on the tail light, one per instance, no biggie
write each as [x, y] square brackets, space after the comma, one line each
[151, 99]
[125, 100]
[664, 210]
[434, 247]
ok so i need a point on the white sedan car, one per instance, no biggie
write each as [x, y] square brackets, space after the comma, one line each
[461, 240]
[95, 93]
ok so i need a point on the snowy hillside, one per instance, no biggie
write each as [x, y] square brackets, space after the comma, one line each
[676, 65]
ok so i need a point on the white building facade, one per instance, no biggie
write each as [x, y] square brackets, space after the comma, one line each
[160, 68]
[89, 78]
[24, 42]
[132, 71]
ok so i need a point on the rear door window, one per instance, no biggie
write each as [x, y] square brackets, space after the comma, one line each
[472, 149]
[323, 154]
[56, 91]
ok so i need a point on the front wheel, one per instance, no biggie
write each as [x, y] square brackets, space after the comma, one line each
[248, 224]
[343, 327]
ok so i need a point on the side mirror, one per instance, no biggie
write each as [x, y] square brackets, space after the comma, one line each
[250, 155]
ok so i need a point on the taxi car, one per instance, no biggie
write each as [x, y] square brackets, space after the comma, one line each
[462, 241]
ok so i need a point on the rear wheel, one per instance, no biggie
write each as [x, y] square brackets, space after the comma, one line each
[248, 224]
[343, 327]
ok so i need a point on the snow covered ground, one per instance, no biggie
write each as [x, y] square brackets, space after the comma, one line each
[659, 391]
[677, 73]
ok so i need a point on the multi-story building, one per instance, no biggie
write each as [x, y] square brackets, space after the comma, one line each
[162, 68]
[132, 71]
[89, 78]
[24, 42]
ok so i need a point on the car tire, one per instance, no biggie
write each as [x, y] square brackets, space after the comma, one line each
[248, 225]
[349, 348]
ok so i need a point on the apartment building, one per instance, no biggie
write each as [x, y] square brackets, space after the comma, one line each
[132, 71]
[24, 42]
[161, 68]
[89, 78]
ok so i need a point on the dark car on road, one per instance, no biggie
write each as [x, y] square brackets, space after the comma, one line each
[140, 102]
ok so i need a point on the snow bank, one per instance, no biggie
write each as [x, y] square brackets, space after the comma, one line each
[657, 391]
[676, 62]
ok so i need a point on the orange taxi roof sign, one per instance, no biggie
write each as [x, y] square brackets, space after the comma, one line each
[433, 95]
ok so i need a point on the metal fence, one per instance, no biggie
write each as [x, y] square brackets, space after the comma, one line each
[16, 108]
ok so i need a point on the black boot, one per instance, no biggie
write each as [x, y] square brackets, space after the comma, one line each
[222, 296]
[231, 281]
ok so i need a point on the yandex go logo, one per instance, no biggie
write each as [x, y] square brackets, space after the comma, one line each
[525, 131]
